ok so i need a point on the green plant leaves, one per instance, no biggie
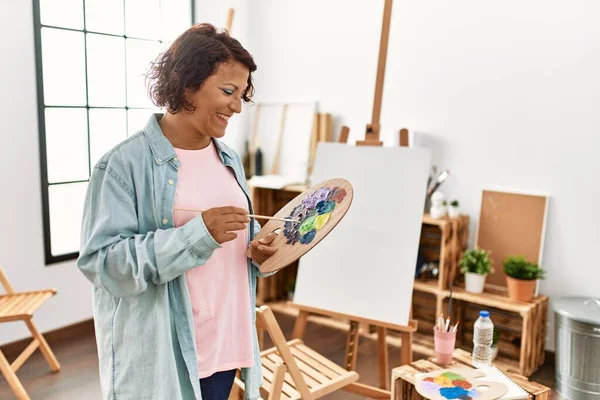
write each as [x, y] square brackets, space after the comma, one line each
[519, 268]
[477, 261]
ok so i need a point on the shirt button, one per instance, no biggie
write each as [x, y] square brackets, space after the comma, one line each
[165, 221]
[176, 159]
[159, 160]
[171, 181]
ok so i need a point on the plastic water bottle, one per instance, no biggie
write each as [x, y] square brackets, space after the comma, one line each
[483, 334]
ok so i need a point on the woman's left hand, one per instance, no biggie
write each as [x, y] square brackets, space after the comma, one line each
[260, 250]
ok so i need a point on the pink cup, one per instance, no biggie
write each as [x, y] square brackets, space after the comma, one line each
[444, 345]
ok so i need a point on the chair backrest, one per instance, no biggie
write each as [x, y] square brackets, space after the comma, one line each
[5, 283]
[265, 319]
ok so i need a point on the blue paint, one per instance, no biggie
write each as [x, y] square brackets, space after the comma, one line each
[308, 237]
[324, 206]
[455, 392]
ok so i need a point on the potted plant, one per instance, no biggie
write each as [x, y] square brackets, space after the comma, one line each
[476, 264]
[453, 209]
[495, 338]
[521, 278]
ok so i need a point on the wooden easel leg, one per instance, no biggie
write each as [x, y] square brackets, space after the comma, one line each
[352, 346]
[384, 361]
[44, 348]
[11, 378]
[406, 349]
[300, 325]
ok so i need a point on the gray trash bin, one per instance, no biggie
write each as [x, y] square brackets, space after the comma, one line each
[578, 348]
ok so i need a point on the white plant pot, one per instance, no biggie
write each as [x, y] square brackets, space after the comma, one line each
[453, 212]
[437, 211]
[474, 282]
[494, 352]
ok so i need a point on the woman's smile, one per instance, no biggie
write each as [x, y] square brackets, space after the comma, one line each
[224, 118]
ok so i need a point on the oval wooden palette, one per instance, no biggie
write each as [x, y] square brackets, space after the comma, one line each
[318, 209]
[458, 383]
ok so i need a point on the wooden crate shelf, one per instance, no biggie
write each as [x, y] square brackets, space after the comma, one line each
[443, 242]
[522, 326]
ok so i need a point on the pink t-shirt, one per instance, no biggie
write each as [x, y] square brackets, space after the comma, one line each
[220, 289]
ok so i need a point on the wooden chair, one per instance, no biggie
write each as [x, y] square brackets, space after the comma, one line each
[20, 306]
[292, 370]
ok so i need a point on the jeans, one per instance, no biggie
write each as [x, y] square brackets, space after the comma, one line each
[218, 385]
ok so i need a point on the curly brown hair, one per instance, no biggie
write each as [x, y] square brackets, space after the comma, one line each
[191, 58]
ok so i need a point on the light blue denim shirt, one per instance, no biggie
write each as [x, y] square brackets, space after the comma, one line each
[136, 260]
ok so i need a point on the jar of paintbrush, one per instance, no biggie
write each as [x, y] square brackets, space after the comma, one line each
[444, 340]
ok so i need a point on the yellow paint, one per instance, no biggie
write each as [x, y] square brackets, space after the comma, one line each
[443, 381]
[322, 220]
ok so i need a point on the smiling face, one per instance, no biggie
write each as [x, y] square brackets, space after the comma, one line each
[217, 99]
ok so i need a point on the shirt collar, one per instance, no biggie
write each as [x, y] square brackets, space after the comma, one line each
[162, 149]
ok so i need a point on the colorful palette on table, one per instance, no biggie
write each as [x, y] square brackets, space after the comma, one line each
[317, 211]
[459, 384]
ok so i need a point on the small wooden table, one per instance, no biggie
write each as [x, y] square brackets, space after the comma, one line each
[403, 380]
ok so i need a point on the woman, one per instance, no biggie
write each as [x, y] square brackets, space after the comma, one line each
[174, 291]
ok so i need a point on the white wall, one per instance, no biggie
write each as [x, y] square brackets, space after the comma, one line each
[506, 93]
[21, 229]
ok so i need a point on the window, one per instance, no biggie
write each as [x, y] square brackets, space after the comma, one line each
[91, 56]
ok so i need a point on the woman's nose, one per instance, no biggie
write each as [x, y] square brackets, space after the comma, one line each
[236, 106]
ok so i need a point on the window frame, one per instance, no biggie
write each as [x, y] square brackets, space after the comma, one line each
[49, 258]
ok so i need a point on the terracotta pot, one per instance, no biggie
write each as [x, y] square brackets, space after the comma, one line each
[521, 290]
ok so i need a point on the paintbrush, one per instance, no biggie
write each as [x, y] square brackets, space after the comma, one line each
[250, 215]
[440, 179]
[455, 327]
[450, 300]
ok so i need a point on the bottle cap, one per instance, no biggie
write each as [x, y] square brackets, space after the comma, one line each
[484, 314]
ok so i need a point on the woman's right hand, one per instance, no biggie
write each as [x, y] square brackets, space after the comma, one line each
[222, 222]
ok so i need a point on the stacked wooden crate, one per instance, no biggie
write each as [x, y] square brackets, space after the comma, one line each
[521, 326]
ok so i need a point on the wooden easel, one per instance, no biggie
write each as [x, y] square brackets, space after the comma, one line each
[406, 332]
[229, 22]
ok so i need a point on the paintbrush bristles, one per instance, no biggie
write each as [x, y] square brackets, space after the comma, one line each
[443, 325]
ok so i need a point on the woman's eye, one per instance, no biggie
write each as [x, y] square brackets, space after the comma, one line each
[228, 92]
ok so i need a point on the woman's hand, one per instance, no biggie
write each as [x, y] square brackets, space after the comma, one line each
[260, 250]
[222, 222]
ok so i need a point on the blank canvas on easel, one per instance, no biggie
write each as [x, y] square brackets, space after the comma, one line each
[511, 224]
[366, 266]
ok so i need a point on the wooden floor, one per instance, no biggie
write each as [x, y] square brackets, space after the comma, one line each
[78, 378]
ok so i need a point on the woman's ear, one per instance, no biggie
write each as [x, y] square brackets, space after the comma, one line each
[188, 95]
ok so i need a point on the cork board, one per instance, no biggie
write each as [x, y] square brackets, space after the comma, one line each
[511, 224]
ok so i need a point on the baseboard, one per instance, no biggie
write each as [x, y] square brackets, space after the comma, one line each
[69, 332]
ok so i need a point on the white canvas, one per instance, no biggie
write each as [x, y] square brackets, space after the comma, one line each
[365, 267]
[293, 141]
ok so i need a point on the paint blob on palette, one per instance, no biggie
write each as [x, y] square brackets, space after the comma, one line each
[458, 384]
[312, 214]
[451, 386]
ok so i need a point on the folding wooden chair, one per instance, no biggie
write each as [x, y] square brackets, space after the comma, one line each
[20, 306]
[292, 370]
